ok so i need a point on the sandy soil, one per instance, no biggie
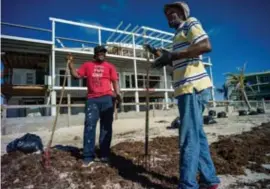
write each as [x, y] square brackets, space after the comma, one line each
[133, 130]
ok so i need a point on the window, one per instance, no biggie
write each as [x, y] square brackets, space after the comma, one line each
[265, 79]
[251, 80]
[29, 78]
[61, 78]
[133, 81]
[74, 82]
[119, 79]
[23, 76]
[84, 82]
[127, 81]
[154, 81]
[264, 88]
[141, 81]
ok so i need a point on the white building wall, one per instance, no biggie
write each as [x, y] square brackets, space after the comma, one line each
[121, 70]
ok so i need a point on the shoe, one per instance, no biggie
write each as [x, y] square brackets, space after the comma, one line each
[213, 187]
[105, 160]
[87, 163]
[210, 187]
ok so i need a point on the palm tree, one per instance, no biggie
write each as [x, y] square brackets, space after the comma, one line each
[224, 90]
[238, 81]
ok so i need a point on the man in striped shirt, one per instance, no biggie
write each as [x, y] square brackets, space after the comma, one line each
[192, 85]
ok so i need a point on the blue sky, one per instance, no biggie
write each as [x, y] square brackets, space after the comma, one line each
[238, 29]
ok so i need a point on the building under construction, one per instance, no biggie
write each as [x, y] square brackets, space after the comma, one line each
[34, 68]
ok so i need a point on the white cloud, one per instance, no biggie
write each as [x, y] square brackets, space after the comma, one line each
[120, 4]
[214, 31]
[90, 31]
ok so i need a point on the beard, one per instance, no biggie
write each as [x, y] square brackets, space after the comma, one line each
[175, 20]
[100, 58]
[175, 23]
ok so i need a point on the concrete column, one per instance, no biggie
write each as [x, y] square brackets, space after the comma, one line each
[53, 54]
[166, 88]
[53, 92]
[137, 101]
[99, 37]
[53, 102]
[257, 79]
[212, 79]
[69, 108]
[47, 102]
[135, 73]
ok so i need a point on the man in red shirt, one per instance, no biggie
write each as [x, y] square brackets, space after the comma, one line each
[100, 75]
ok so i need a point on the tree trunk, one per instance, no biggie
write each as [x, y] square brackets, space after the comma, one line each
[245, 98]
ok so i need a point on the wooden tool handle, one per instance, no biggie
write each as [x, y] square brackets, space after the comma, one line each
[58, 108]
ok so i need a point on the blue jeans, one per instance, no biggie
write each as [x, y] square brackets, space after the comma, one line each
[98, 108]
[194, 149]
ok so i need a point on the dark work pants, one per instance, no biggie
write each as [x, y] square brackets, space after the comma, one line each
[98, 108]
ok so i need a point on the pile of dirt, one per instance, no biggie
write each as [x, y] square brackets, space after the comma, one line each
[127, 168]
[233, 153]
[256, 185]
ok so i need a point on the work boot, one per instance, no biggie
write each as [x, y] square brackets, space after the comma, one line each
[105, 160]
[87, 163]
[210, 187]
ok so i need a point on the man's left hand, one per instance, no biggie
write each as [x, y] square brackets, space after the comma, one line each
[118, 98]
[164, 60]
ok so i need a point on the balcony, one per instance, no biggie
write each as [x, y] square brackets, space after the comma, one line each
[126, 81]
[23, 82]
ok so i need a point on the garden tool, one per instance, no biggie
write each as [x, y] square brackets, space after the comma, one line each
[147, 159]
[115, 110]
[46, 155]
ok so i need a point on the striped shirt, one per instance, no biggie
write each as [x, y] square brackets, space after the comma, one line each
[189, 73]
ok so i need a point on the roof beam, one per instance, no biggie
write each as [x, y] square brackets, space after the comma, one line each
[126, 38]
[126, 28]
[158, 31]
[117, 28]
[26, 27]
[160, 36]
[101, 28]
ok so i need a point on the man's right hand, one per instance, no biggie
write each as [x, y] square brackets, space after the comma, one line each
[69, 58]
[164, 60]
[150, 48]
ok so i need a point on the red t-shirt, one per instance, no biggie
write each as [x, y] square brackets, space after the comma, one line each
[99, 77]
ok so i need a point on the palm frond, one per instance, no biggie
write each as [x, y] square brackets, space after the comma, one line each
[219, 90]
[232, 77]
[249, 87]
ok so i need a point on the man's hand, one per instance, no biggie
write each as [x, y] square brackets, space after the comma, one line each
[70, 62]
[70, 59]
[118, 98]
[164, 60]
[149, 48]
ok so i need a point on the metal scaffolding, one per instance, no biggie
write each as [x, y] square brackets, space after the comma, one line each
[118, 38]
[130, 37]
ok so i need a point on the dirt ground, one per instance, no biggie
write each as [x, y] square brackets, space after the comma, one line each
[231, 155]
